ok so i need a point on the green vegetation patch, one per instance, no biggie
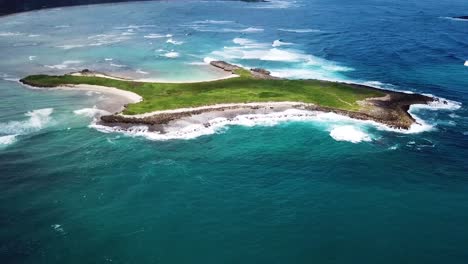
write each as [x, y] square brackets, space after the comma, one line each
[243, 89]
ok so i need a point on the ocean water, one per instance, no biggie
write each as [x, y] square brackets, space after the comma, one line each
[316, 189]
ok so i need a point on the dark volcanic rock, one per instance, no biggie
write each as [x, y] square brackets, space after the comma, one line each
[225, 66]
[260, 70]
[461, 17]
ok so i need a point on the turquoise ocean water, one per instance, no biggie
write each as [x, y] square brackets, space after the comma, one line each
[323, 190]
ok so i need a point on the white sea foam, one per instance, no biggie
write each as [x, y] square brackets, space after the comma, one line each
[175, 42]
[279, 43]
[10, 34]
[466, 63]
[455, 19]
[7, 140]
[31, 58]
[171, 55]
[117, 65]
[438, 104]
[34, 35]
[135, 27]
[227, 30]
[71, 46]
[341, 127]
[8, 77]
[299, 30]
[37, 120]
[141, 71]
[273, 54]
[58, 228]
[154, 36]
[106, 39]
[91, 112]
[349, 133]
[318, 73]
[275, 4]
[250, 49]
[64, 65]
[216, 22]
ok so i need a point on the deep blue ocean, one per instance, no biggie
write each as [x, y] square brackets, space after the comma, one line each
[324, 190]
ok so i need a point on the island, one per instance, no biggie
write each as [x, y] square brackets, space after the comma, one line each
[247, 91]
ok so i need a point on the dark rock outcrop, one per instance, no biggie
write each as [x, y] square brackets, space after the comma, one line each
[225, 66]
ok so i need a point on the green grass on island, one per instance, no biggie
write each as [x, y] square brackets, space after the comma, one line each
[243, 89]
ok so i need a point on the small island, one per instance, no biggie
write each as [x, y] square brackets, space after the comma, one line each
[248, 91]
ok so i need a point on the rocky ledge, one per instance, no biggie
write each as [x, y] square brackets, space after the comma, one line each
[257, 73]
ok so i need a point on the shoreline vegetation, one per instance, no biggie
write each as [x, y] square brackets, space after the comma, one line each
[156, 105]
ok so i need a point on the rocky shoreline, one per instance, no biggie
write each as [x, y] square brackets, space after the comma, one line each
[391, 109]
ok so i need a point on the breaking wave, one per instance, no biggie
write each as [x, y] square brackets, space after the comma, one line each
[299, 30]
[340, 127]
[7, 140]
[279, 43]
[171, 55]
[91, 112]
[349, 133]
[37, 120]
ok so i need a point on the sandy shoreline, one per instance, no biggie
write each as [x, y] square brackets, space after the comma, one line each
[131, 97]
[215, 107]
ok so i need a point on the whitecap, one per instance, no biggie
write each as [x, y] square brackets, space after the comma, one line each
[466, 63]
[455, 19]
[275, 4]
[251, 30]
[171, 55]
[117, 65]
[135, 27]
[216, 22]
[7, 140]
[10, 34]
[228, 30]
[91, 112]
[154, 36]
[58, 228]
[279, 43]
[71, 46]
[349, 133]
[171, 41]
[299, 30]
[273, 54]
[37, 120]
[31, 58]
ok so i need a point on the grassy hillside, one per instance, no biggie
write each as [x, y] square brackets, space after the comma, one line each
[163, 96]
